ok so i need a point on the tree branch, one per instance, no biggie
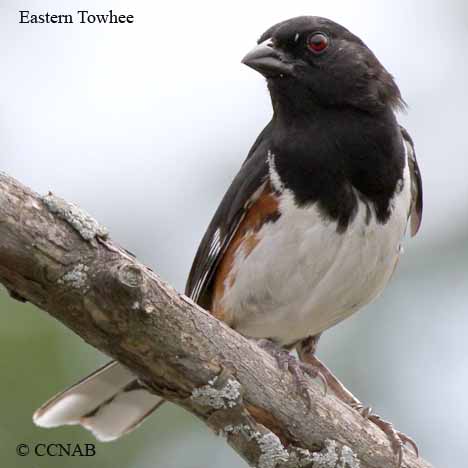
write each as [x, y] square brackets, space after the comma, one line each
[57, 257]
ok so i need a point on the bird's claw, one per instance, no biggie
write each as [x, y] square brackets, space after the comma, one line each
[397, 439]
[364, 411]
[407, 440]
[299, 370]
[287, 362]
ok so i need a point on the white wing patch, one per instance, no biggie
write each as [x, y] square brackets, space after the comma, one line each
[215, 247]
[213, 253]
[219, 244]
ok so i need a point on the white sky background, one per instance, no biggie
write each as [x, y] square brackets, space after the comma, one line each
[145, 124]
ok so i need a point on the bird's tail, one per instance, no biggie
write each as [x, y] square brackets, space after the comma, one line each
[110, 402]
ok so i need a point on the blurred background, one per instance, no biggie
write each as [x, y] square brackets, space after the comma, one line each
[145, 125]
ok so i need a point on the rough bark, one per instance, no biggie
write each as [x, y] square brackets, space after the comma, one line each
[57, 257]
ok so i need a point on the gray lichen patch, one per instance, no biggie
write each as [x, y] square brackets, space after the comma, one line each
[272, 451]
[299, 458]
[348, 459]
[76, 278]
[225, 397]
[327, 457]
[272, 454]
[239, 429]
[80, 220]
[332, 456]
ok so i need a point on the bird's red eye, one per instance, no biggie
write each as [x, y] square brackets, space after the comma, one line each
[317, 43]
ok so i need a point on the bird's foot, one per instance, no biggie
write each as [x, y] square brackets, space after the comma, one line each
[287, 362]
[397, 439]
[364, 411]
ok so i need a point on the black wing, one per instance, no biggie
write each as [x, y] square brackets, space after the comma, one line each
[416, 184]
[240, 195]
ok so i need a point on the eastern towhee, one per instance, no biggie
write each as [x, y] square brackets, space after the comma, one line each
[309, 231]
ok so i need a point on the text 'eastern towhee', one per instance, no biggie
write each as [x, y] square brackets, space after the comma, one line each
[309, 231]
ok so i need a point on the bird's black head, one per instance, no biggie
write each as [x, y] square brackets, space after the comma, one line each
[310, 60]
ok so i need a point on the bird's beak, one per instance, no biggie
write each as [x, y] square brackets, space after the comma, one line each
[268, 60]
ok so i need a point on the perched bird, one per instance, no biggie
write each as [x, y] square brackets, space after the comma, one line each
[310, 229]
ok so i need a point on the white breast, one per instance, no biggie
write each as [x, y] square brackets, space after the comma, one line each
[303, 277]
